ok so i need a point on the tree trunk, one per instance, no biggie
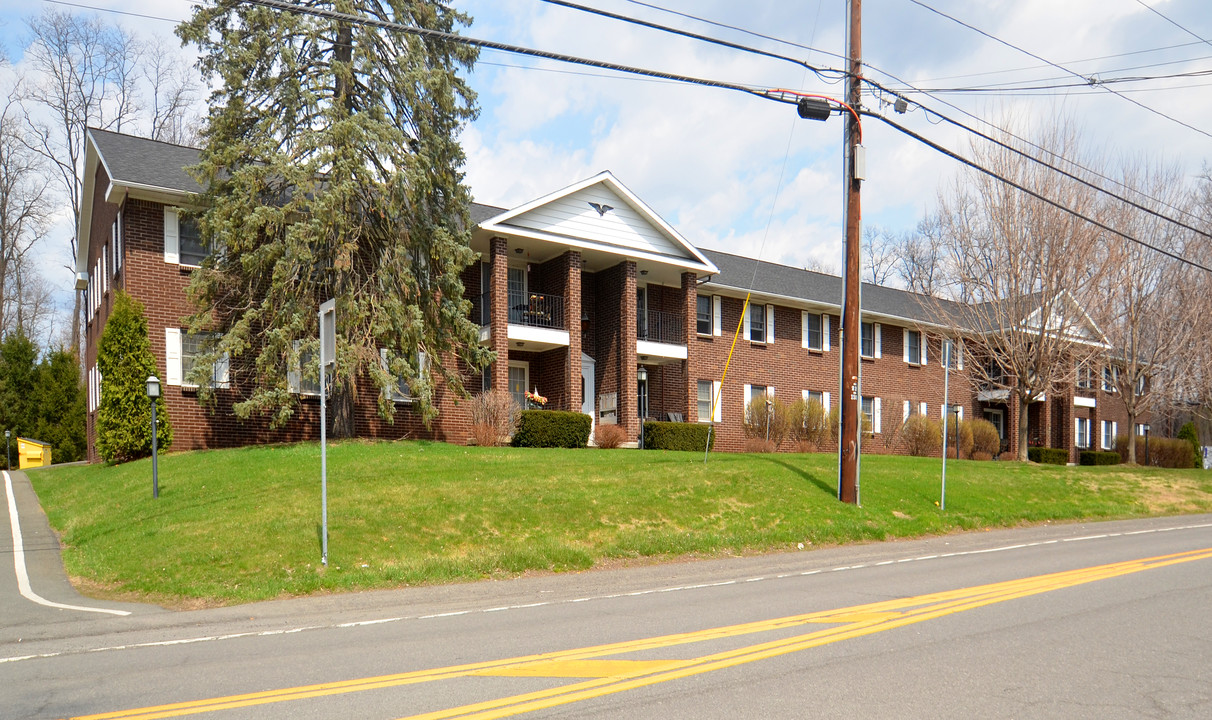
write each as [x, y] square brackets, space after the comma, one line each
[341, 406]
[1131, 439]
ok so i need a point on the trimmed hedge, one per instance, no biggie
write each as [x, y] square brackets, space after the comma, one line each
[552, 428]
[1048, 456]
[676, 436]
[1098, 457]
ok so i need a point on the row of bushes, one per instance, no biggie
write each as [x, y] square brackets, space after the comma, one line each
[973, 439]
[1163, 452]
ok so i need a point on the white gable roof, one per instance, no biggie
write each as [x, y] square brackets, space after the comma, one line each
[599, 213]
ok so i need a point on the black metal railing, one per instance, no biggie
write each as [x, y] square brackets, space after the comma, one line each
[537, 310]
[662, 327]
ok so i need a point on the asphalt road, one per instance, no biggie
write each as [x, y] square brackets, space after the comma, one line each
[1106, 620]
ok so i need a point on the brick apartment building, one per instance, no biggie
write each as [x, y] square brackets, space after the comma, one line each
[587, 296]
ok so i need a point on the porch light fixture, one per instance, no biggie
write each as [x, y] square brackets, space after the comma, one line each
[643, 272]
[153, 394]
[518, 250]
[642, 374]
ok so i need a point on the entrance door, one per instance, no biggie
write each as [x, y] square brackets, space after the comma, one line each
[588, 392]
[519, 378]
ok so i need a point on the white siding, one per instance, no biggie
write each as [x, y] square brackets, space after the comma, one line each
[621, 226]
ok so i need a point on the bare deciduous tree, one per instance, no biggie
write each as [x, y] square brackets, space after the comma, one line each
[879, 254]
[1021, 268]
[1148, 311]
[920, 259]
[83, 73]
[174, 91]
[25, 211]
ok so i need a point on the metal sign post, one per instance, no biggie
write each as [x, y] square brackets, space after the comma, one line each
[942, 504]
[328, 351]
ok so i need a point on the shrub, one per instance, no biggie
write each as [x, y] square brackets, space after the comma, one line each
[981, 455]
[1008, 456]
[759, 445]
[809, 423]
[552, 428]
[1191, 435]
[609, 437]
[494, 417]
[959, 438]
[767, 418]
[1098, 457]
[835, 423]
[676, 436]
[1170, 453]
[923, 436]
[125, 360]
[1048, 456]
[985, 439]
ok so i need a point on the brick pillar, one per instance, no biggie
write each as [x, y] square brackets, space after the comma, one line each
[572, 309]
[499, 319]
[628, 400]
[689, 404]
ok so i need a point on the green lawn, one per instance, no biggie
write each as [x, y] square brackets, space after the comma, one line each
[242, 525]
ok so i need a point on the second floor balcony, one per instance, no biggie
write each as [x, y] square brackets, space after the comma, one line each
[661, 327]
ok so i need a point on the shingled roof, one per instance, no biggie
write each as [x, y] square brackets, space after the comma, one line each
[772, 279]
[137, 161]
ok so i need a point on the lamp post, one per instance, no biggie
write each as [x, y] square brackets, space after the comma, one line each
[641, 375]
[153, 394]
[8, 449]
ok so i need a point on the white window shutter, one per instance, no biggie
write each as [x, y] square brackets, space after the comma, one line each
[223, 370]
[958, 349]
[924, 407]
[826, 397]
[172, 237]
[959, 413]
[878, 341]
[100, 378]
[804, 330]
[717, 310]
[1114, 434]
[922, 335]
[1102, 434]
[745, 310]
[172, 356]
[877, 422]
[294, 376]
[905, 344]
[748, 397]
[906, 417]
[824, 332]
[770, 323]
[770, 391]
[718, 399]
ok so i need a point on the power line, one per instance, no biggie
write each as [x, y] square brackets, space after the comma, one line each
[82, 6]
[1158, 13]
[820, 72]
[1066, 62]
[1055, 168]
[492, 45]
[980, 168]
[1008, 44]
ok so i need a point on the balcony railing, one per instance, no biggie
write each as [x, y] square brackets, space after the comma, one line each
[537, 310]
[662, 327]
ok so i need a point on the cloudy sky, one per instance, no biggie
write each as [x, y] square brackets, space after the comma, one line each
[738, 173]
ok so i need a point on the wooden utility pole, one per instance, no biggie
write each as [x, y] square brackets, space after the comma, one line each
[848, 442]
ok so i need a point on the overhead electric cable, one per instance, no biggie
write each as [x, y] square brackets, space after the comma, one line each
[820, 72]
[1001, 178]
[111, 10]
[1074, 73]
[517, 49]
[1066, 62]
[1158, 13]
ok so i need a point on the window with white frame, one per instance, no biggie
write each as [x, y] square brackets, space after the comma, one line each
[194, 346]
[305, 378]
[1110, 430]
[1085, 377]
[814, 331]
[709, 394]
[1082, 432]
[761, 327]
[756, 393]
[915, 349]
[871, 413]
[1110, 377]
[401, 391]
[703, 315]
[998, 418]
[869, 340]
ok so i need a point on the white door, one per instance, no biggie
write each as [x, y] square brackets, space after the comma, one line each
[588, 392]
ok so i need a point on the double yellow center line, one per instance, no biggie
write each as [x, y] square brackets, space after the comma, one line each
[603, 672]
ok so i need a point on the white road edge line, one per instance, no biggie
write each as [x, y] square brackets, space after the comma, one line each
[19, 561]
[676, 588]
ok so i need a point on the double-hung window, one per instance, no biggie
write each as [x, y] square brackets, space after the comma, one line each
[757, 323]
[1082, 433]
[709, 394]
[914, 352]
[182, 353]
[1110, 377]
[814, 331]
[703, 315]
[1085, 377]
[869, 341]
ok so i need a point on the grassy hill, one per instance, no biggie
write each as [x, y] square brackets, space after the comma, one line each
[242, 525]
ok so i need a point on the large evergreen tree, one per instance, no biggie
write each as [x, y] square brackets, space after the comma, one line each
[125, 361]
[332, 169]
[18, 371]
[60, 406]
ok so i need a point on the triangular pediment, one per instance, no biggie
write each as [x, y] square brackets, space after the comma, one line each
[600, 213]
